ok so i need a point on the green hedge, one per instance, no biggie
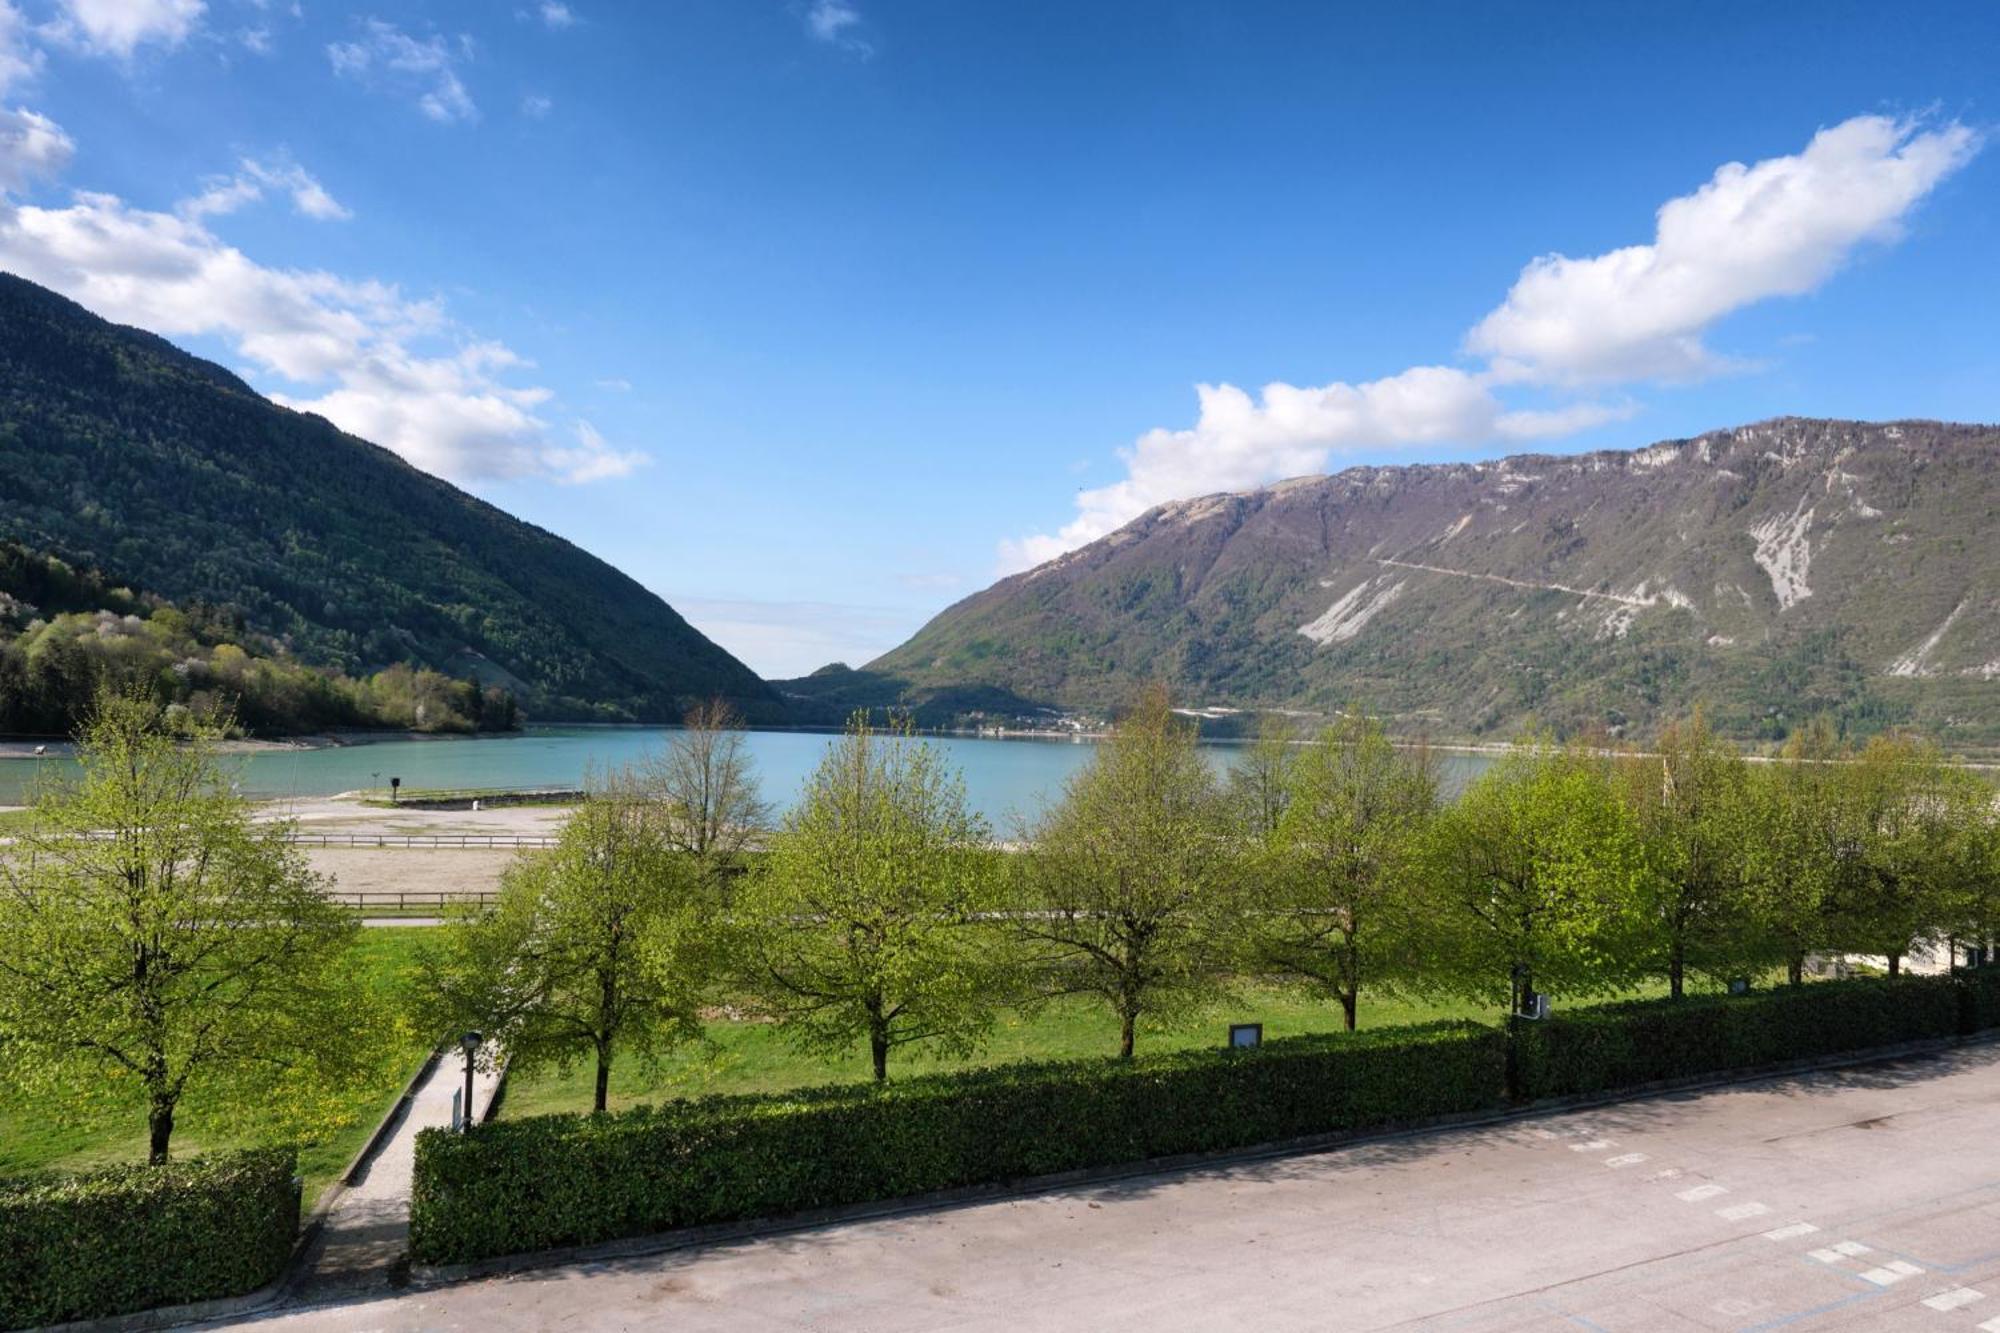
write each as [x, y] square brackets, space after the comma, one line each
[1979, 1000]
[1626, 1045]
[134, 1237]
[531, 1184]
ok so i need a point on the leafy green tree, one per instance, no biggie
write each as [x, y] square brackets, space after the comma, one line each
[1689, 798]
[600, 947]
[1533, 877]
[1332, 890]
[1127, 883]
[859, 920]
[1790, 835]
[1907, 815]
[154, 938]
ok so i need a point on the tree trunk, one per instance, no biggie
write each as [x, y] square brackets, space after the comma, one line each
[1348, 1002]
[1795, 969]
[1126, 1023]
[878, 1049]
[1896, 964]
[603, 1076]
[1677, 971]
[160, 1122]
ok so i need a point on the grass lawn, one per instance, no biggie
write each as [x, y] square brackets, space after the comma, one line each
[31, 1140]
[754, 1057]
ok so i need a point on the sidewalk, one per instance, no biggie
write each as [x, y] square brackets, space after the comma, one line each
[369, 1227]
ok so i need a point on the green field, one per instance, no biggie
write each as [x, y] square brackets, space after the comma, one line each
[754, 1057]
[32, 1140]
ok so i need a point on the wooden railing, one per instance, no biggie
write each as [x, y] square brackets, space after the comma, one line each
[310, 838]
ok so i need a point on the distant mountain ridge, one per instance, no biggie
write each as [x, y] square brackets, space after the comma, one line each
[119, 451]
[1773, 571]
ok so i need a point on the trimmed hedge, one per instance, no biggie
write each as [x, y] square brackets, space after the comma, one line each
[1647, 1041]
[135, 1237]
[1979, 1000]
[530, 1184]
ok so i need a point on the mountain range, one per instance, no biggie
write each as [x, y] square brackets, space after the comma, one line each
[1769, 573]
[122, 453]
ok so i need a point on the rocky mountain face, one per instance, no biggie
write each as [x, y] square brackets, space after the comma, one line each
[120, 452]
[1770, 573]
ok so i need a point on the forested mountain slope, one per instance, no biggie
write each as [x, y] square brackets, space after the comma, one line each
[1775, 571]
[121, 452]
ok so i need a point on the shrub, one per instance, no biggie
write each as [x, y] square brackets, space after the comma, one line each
[1626, 1045]
[1979, 1000]
[569, 1179]
[134, 1237]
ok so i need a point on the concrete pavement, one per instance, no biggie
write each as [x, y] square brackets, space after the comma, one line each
[1859, 1199]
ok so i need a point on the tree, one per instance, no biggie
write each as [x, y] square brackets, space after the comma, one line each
[1338, 868]
[706, 789]
[1126, 882]
[1260, 780]
[1790, 835]
[153, 936]
[601, 946]
[1534, 871]
[1689, 799]
[858, 924]
[1906, 814]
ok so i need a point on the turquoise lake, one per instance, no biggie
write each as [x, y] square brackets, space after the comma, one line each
[1006, 779]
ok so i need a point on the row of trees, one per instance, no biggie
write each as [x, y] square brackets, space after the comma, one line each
[882, 914]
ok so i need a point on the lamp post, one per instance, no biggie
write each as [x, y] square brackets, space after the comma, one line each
[470, 1041]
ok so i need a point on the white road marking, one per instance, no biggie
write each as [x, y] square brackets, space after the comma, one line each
[1671, 1173]
[1595, 1145]
[1792, 1232]
[1955, 1297]
[1628, 1159]
[1990, 1326]
[1700, 1192]
[1889, 1274]
[1850, 1247]
[1741, 1211]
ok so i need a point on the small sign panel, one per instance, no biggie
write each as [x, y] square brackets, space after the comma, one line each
[1245, 1035]
[457, 1108]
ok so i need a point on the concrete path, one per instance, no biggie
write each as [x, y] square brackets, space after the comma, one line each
[1859, 1199]
[368, 1230]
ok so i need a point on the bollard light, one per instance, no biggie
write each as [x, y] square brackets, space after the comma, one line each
[470, 1042]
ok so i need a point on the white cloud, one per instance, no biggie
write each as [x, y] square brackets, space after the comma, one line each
[1779, 228]
[385, 366]
[120, 27]
[556, 15]
[427, 68]
[226, 194]
[19, 62]
[834, 22]
[615, 384]
[592, 459]
[535, 106]
[32, 147]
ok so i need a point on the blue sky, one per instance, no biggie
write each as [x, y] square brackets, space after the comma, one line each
[815, 315]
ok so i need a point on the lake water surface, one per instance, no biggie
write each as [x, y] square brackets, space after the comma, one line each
[1005, 779]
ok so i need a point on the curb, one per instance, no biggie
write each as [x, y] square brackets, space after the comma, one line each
[425, 1276]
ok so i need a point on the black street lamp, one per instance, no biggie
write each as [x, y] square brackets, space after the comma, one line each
[470, 1042]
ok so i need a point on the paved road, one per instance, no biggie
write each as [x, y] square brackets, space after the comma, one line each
[1862, 1199]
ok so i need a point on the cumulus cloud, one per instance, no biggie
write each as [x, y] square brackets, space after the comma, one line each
[1778, 228]
[120, 27]
[836, 22]
[226, 194]
[426, 68]
[556, 15]
[535, 106]
[32, 147]
[386, 366]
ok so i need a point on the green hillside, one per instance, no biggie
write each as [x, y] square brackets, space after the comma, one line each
[121, 452]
